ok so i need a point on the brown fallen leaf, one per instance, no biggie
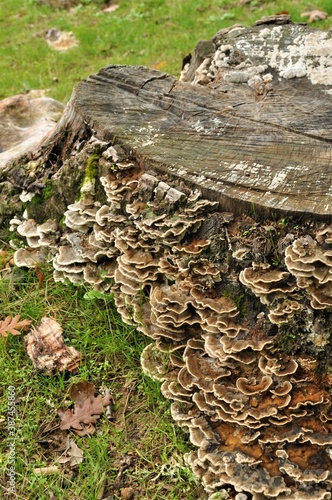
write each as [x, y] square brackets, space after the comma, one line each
[47, 350]
[315, 15]
[73, 455]
[13, 325]
[5, 258]
[60, 40]
[87, 409]
[39, 274]
[111, 8]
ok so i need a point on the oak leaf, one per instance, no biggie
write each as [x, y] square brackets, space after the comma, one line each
[87, 409]
[13, 325]
[315, 15]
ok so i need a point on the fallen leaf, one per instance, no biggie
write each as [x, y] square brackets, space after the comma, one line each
[111, 8]
[39, 274]
[13, 325]
[73, 455]
[127, 493]
[5, 258]
[315, 15]
[159, 65]
[87, 409]
[47, 350]
[60, 40]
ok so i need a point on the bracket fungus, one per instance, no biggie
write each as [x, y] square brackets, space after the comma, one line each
[310, 261]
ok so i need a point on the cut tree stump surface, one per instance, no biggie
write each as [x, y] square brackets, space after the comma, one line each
[269, 148]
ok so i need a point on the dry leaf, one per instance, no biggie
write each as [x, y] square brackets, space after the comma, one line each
[159, 65]
[39, 274]
[13, 325]
[73, 455]
[315, 15]
[5, 258]
[111, 8]
[47, 350]
[87, 409]
[60, 40]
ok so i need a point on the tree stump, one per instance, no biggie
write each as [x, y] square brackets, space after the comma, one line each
[203, 205]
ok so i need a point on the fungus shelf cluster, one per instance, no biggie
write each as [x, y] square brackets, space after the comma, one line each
[202, 285]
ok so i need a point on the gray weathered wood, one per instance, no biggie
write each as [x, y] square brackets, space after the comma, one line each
[271, 150]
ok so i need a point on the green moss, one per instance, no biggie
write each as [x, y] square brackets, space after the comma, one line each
[48, 190]
[61, 221]
[91, 171]
[91, 178]
[148, 212]
[35, 201]
[241, 303]
[287, 341]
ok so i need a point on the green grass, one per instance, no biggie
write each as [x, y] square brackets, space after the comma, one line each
[155, 33]
[142, 428]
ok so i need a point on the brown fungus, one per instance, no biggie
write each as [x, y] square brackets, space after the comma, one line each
[250, 387]
[30, 257]
[28, 229]
[81, 215]
[284, 311]
[49, 234]
[267, 283]
[310, 261]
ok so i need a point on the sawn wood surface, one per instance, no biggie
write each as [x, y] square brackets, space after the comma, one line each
[270, 151]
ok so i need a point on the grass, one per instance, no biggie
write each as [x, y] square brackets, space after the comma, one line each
[155, 33]
[140, 449]
[142, 433]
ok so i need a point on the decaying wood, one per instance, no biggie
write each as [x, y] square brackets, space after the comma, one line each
[25, 120]
[239, 151]
[268, 147]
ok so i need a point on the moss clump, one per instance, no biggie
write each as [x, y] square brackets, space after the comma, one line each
[35, 201]
[241, 303]
[91, 170]
[48, 190]
[91, 183]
